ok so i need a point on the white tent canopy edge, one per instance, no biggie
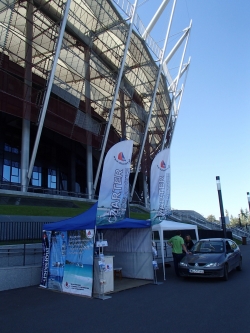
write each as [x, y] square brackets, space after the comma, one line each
[171, 225]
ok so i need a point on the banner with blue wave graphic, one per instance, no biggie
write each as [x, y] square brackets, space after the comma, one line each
[78, 270]
[114, 189]
[58, 250]
[160, 206]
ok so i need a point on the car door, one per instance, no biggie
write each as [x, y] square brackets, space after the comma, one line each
[230, 256]
[236, 257]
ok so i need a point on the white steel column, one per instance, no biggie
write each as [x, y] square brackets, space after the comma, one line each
[179, 104]
[25, 146]
[89, 171]
[73, 168]
[49, 87]
[155, 18]
[153, 100]
[178, 44]
[174, 94]
[115, 95]
[89, 158]
[184, 69]
[171, 54]
[145, 191]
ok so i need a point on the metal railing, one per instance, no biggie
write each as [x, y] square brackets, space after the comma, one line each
[237, 232]
[20, 255]
[48, 191]
[167, 251]
[16, 231]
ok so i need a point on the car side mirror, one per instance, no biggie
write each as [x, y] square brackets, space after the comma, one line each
[230, 250]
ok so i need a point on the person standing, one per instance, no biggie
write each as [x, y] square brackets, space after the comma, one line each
[188, 242]
[178, 246]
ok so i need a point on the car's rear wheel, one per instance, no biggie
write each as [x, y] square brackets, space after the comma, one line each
[239, 267]
[225, 277]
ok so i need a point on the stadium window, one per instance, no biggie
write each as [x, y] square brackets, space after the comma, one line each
[63, 182]
[11, 171]
[15, 172]
[37, 176]
[77, 188]
[6, 171]
[7, 147]
[11, 149]
[51, 178]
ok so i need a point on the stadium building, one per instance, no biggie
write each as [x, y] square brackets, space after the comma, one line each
[78, 76]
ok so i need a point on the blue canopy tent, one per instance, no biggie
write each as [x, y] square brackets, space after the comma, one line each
[86, 220]
[129, 241]
[127, 223]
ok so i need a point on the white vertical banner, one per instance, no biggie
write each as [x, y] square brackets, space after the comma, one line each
[114, 188]
[160, 187]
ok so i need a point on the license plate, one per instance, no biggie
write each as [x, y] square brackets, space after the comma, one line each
[196, 271]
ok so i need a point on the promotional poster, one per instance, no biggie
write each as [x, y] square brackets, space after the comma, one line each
[114, 189]
[58, 250]
[46, 236]
[78, 270]
[160, 187]
[68, 261]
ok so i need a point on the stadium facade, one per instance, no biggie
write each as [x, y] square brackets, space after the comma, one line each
[76, 77]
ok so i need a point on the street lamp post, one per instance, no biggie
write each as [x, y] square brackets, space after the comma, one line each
[223, 224]
[248, 198]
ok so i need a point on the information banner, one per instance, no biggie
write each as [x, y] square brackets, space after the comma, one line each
[114, 188]
[57, 259]
[78, 269]
[46, 235]
[160, 187]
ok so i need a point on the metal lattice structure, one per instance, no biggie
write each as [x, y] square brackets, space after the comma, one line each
[88, 70]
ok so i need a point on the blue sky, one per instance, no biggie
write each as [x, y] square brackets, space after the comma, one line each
[212, 131]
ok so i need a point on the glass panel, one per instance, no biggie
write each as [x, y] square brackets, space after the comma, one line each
[36, 177]
[15, 175]
[52, 178]
[6, 173]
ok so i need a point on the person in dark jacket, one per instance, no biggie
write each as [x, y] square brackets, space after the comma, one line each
[188, 242]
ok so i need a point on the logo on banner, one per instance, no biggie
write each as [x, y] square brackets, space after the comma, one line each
[121, 159]
[90, 233]
[162, 166]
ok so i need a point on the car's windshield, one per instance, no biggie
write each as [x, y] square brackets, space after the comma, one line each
[208, 247]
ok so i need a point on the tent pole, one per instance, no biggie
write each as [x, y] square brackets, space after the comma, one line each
[162, 254]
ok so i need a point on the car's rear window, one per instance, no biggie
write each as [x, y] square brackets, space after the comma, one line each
[208, 247]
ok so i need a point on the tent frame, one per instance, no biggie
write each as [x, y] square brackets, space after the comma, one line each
[170, 225]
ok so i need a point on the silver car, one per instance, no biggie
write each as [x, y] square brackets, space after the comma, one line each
[214, 257]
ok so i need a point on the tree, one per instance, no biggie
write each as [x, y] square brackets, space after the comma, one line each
[233, 221]
[244, 216]
[211, 218]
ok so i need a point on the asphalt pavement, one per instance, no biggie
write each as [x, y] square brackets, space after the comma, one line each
[176, 305]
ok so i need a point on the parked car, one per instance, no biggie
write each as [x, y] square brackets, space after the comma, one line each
[214, 257]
